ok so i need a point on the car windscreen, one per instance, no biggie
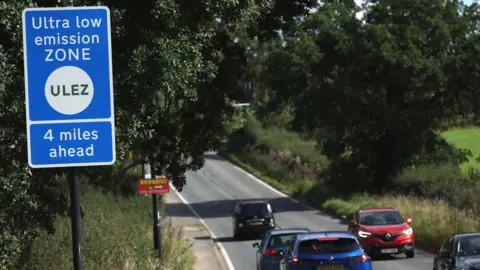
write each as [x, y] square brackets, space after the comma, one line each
[258, 209]
[328, 246]
[280, 240]
[381, 218]
[469, 246]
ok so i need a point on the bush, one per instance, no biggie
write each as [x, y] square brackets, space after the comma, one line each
[437, 182]
[117, 234]
[276, 138]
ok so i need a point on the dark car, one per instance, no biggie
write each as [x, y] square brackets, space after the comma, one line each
[383, 231]
[273, 244]
[252, 218]
[460, 251]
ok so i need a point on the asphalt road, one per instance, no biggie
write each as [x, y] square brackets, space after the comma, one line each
[213, 191]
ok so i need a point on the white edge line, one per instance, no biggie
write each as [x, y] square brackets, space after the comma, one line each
[213, 236]
[267, 185]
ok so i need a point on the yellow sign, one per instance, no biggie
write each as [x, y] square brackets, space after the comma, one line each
[160, 181]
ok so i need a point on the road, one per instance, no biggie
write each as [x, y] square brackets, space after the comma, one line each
[213, 191]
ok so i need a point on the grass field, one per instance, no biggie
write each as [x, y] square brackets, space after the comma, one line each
[117, 234]
[468, 138]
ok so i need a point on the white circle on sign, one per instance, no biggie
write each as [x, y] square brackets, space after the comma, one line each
[69, 90]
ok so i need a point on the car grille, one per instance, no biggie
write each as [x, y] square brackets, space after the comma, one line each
[388, 237]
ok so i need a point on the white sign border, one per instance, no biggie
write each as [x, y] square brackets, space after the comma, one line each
[27, 104]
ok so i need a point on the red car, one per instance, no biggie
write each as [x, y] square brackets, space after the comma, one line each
[383, 231]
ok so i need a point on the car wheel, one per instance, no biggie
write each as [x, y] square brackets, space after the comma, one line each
[410, 253]
[236, 236]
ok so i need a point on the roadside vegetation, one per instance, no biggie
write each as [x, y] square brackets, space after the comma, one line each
[440, 199]
[117, 234]
[377, 110]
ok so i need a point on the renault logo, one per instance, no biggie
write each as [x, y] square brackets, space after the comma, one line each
[330, 258]
[388, 235]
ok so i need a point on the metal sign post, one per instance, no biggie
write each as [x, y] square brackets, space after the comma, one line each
[69, 95]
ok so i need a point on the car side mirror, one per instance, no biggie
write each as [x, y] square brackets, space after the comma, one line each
[409, 220]
[255, 245]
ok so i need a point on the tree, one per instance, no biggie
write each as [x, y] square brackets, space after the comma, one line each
[375, 88]
[174, 64]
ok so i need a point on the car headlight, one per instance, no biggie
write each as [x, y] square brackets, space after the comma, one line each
[364, 234]
[408, 232]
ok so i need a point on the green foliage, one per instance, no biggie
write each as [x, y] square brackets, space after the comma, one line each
[116, 235]
[235, 122]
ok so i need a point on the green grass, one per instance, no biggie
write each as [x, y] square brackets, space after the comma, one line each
[117, 234]
[467, 138]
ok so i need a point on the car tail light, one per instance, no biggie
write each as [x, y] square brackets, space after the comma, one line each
[361, 258]
[270, 252]
[297, 260]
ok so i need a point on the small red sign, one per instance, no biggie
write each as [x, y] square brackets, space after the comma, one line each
[159, 185]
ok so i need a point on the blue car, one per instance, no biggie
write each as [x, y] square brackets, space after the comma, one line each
[325, 251]
[274, 243]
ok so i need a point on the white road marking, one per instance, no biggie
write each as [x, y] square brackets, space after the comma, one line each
[213, 236]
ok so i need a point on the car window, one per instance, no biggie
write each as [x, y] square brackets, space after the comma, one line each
[262, 243]
[448, 246]
[469, 246]
[280, 240]
[291, 245]
[381, 218]
[327, 246]
[259, 209]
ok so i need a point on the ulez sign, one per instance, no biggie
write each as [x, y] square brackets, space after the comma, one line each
[158, 185]
[69, 87]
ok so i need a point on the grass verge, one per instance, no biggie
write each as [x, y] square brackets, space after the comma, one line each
[117, 234]
[433, 220]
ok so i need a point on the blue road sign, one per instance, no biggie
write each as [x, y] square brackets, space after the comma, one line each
[69, 87]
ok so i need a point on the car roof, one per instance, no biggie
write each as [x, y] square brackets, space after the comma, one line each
[253, 202]
[372, 210]
[465, 235]
[317, 235]
[289, 230]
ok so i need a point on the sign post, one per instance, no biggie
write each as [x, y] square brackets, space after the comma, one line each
[69, 95]
[155, 185]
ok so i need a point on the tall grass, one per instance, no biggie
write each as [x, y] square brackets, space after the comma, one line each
[117, 234]
[433, 220]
